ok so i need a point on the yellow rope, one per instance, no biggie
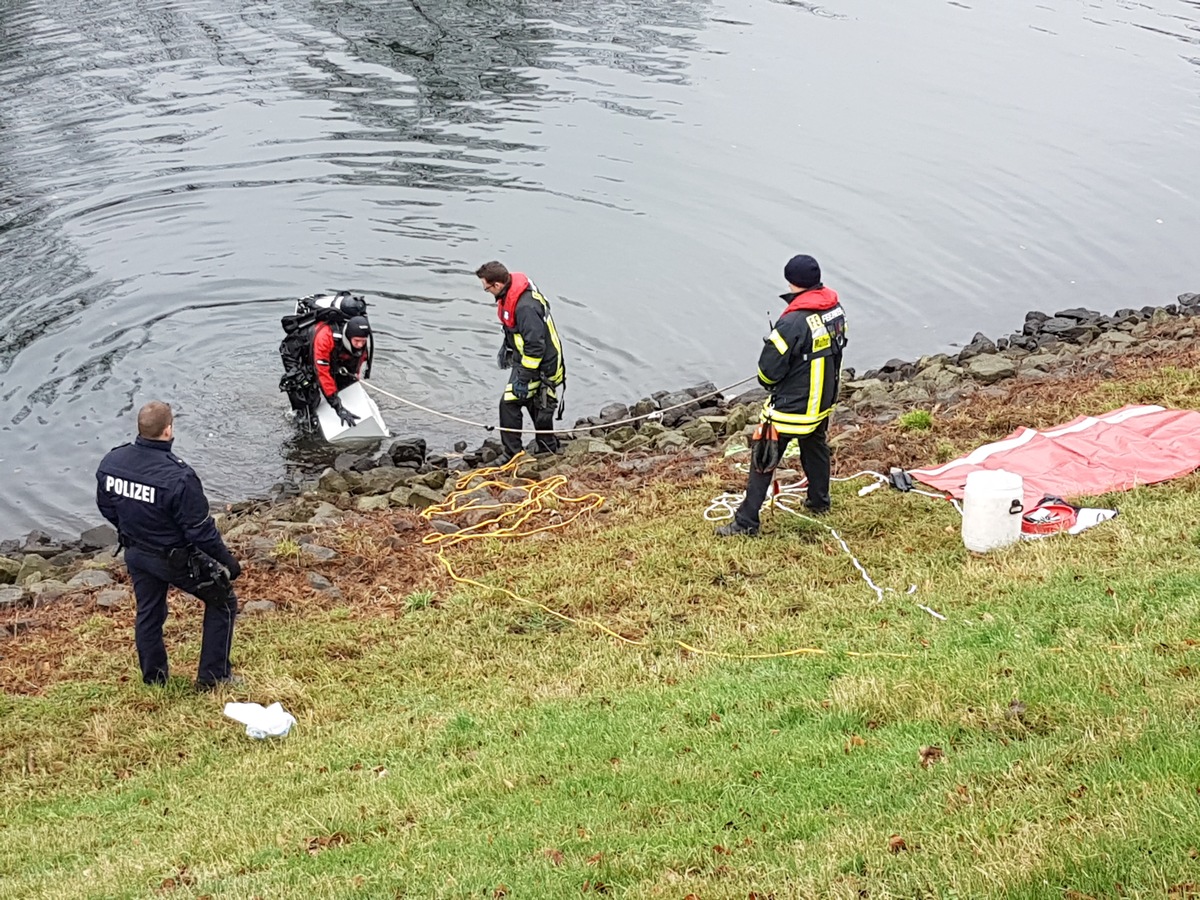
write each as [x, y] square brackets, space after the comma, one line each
[509, 521]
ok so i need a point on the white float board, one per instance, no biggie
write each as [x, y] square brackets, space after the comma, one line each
[355, 398]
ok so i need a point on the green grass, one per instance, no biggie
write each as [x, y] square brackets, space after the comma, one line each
[916, 420]
[479, 747]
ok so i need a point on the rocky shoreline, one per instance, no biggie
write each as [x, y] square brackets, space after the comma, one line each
[39, 570]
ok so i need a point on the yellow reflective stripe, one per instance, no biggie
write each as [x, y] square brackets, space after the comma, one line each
[796, 424]
[530, 362]
[763, 378]
[533, 386]
[816, 386]
[557, 377]
[794, 418]
[777, 339]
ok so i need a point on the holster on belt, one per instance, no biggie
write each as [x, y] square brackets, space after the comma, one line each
[764, 448]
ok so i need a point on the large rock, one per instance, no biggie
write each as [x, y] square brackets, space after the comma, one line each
[700, 433]
[11, 597]
[45, 591]
[756, 396]
[366, 464]
[257, 607]
[644, 407]
[113, 599]
[375, 501]
[333, 482]
[32, 565]
[345, 462]
[1115, 339]
[8, 570]
[620, 435]
[98, 538]
[319, 582]
[637, 442]
[383, 480]
[325, 514]
[1064, 328]
[435, 479]
[980, 345]
[739, 417]
[318, 553]
[707, 389]
[910, 393]
[991, 368]
[587, 447]
[686, 403]
[865, 390]
[670, 441]
[410, 450]
[613, 412]
[938, 377]
[90, 578]
[422, 497]
[1042, 362]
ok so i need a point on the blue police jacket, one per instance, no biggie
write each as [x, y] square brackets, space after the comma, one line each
[155, 500]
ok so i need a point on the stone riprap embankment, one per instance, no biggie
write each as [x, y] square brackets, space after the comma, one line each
[39, 569]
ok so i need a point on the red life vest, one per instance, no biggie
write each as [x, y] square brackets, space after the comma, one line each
[506, 304]
[816, 299]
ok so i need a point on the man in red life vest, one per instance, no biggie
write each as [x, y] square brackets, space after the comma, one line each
[800, 366]
[339, 358]
[533, 353]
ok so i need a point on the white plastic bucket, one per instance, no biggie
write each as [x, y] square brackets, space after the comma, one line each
[992, 510]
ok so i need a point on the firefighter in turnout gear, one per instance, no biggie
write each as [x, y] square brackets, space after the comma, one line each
[156, 503]
[800, 366]
[532, 352]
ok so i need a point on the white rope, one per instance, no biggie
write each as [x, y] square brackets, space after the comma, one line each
[724, 506]
[656, 414]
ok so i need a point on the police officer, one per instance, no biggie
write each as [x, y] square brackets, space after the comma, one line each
[533, 353]
[156, 503]
[800, 366]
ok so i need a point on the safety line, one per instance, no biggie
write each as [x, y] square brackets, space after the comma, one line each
[509, 521]
[724, 506]
[656, 414]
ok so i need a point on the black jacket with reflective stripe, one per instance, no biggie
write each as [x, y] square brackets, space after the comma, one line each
[536, 351]
[801, 365]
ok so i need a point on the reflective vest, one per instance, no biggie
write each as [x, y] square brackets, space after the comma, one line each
[801, 361]
[529, 333]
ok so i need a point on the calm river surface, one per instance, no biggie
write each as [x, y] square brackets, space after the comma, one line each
[173, 173]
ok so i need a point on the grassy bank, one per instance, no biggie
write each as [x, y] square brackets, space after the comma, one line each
[1041, 741]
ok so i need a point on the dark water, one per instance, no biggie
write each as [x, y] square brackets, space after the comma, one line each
[171, 173]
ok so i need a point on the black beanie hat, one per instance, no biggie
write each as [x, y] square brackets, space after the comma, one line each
[802, 271]
[357, 327]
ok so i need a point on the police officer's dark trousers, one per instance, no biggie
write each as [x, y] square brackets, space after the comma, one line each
[152, 574]
[814, 459]
[543, 420]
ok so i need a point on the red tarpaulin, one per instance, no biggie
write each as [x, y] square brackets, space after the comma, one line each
[1088, 456]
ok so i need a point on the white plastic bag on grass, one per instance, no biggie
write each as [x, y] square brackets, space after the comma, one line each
[260, 722]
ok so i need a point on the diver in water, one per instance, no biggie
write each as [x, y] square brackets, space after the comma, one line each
[328, 346]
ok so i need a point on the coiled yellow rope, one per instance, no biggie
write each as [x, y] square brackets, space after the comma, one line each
[513, 519]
